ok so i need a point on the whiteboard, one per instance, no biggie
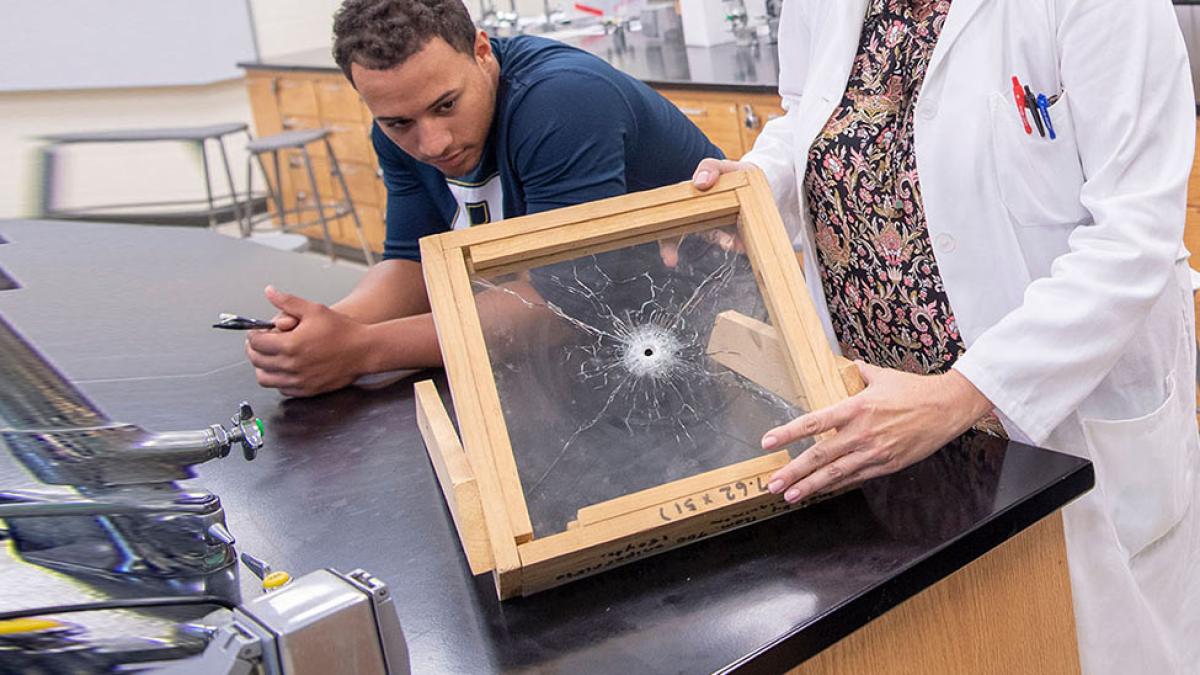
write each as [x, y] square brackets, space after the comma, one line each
[89, 44]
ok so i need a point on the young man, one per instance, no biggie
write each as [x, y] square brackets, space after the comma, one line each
[468, 130]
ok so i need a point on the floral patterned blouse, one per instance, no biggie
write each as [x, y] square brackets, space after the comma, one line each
[885, 293]
[886, 298]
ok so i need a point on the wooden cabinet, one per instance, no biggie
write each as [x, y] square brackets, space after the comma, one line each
[1191, 230]
[731, 120]
[755, 113]
[717, 118]
[286, 100]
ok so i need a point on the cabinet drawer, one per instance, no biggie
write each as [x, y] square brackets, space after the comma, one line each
[753, 118]
[351, 142]
[363, 183]
[296, 97]
[338, 101]
[717, 120]
[301, 184]
[374, 230]
[263, 105]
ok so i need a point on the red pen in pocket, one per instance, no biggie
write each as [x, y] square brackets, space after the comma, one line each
[1022, 105]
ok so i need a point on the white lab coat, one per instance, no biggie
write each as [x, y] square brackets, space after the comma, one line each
[1064, 266]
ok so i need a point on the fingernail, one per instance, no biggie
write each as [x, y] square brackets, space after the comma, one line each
[769, 442]
[792, 496]
[775, 486]
[703, 177]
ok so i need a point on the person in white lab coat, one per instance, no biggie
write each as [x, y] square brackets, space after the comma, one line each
[996, 273]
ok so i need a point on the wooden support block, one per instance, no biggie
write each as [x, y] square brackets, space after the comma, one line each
[680, 489]
[454, 474]
[752, 349]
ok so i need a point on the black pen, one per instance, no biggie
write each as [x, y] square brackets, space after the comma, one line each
[235, 322]
[1031, 102]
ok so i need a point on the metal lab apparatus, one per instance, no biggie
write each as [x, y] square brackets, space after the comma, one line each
[115, 510]
[324, 622]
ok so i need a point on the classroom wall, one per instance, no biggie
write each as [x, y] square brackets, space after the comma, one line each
[99, 174]
[128, 172]
[161, 171]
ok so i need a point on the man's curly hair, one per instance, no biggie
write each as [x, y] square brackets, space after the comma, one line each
[382, 34]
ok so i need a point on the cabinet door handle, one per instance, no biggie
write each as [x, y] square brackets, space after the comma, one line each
[693, 112]
[749, 118]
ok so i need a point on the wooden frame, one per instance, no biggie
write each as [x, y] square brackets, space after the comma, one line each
[479, 477]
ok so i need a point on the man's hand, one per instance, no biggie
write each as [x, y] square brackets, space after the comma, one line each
[898, 420]
[313, 349]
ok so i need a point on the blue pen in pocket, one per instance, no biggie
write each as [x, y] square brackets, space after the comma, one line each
[1043, 105]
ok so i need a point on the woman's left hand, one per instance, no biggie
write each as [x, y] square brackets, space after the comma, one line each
[898, 420]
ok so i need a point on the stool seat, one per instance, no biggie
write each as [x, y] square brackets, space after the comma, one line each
[297, 138]
[159, 134]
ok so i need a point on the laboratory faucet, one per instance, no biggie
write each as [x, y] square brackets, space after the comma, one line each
[114, 509]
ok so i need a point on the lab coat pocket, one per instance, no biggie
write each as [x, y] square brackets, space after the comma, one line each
[1039, 179]
[1142, 470]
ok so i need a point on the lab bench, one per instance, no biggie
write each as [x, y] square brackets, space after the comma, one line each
[956, 564]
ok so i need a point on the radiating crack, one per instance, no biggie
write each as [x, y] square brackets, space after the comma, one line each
[641, 342]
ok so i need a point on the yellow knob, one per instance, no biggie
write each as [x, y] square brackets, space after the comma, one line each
[275, 580]
[29, 625]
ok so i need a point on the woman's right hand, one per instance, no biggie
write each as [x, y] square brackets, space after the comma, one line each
[710, 169]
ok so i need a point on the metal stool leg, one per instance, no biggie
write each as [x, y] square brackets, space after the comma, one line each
[49, 178]
[278, 188]
[212, 210]
[337, 171]
[312, 178]
[248, 224]
[233, 195]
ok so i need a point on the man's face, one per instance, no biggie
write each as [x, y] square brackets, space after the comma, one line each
[438, 105]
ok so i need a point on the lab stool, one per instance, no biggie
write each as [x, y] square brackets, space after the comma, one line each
[220, 208]
[299, 140]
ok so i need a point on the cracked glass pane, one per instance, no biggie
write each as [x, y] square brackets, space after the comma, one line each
[606, 377]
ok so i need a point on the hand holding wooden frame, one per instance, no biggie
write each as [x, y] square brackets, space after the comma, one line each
[791, 357]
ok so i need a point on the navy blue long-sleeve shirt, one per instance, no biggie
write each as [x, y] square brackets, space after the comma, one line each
[568, 129]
